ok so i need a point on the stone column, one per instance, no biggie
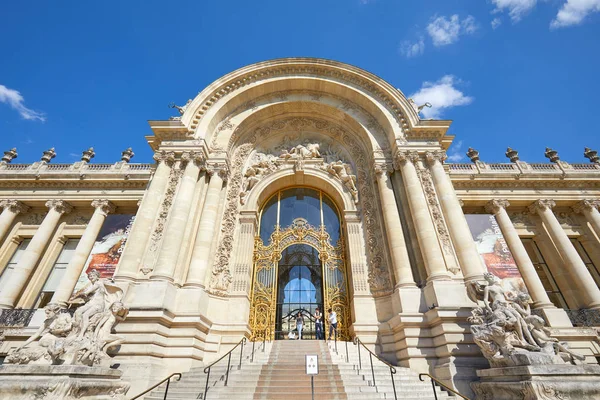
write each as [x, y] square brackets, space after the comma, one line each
[31, 256]
[426, 233]
[207, 229]
[83, 250]
[180, 212]
[589, 208]
[142, 227]
[530, 276]
[395, 234]
[589, 292]
[10, 210]
[469, 258]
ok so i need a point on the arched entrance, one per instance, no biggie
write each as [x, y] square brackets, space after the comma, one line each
[299, 264]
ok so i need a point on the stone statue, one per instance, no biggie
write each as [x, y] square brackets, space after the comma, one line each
[181, 109]
[302, 151]
[263, 165]
[83, 339]
[507, 333]
[343, 172]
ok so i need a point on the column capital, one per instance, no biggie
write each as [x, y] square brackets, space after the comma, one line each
[105, 206]
[381, 167]
[164, 157]
[586, 204]
[193, 156]
[435, 156]
[541, 205]
[404, 156]
[59, 206]
[219, 168]
[494, 206]
[14, 206]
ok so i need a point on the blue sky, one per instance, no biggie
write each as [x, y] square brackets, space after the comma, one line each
[519, 73]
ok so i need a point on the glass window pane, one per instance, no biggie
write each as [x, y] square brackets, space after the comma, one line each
[269, 219]
[300, 203]
[13, 262]
[331, 220]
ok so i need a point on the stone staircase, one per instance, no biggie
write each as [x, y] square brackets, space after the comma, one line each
[360, 380]
[278, 373]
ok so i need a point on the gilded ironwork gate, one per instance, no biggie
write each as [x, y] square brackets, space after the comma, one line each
[264, 284]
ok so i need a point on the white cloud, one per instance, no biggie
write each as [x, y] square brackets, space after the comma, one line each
[455, 155]
[409, 49]
[442, 95]
[446, 30]
[14, 99]
[574, 11]
[496, 22]
[517, 9]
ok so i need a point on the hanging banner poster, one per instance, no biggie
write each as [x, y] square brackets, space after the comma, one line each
[108, 247]
[495, 253]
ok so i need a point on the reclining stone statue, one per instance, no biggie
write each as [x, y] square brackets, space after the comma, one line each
[507, 333]
[83, 339]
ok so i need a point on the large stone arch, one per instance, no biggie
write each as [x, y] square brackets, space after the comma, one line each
[385, 107]
[347, 134]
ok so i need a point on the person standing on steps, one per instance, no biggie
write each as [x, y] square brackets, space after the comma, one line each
[299, 324]
[332, 323]
[319, 324]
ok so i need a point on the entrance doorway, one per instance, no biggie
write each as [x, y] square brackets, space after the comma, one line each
[299, 264]
[300, 290]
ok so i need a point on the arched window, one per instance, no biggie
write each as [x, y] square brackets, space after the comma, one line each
[299, 202]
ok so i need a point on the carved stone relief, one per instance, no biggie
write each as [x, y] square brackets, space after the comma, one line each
[381, 147]
[379, 274]
[436, 214]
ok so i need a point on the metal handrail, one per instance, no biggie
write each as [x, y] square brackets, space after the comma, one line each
[358, 343]
[167, 379]
[228, 354]
[441, 384]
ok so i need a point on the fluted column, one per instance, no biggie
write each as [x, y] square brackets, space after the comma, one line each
[22, 272]
[530, 276]
[82, 252]
[426, 233]
[395, 234]
[590, 293]
[467, 253]
[169, 252]
[10, 210]
[142, 227]
[207, 229]
[589, 208]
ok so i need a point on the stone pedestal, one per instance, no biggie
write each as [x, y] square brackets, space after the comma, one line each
[28, 382]
[576, 382]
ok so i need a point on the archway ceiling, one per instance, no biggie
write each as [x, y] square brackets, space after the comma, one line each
[302, 119]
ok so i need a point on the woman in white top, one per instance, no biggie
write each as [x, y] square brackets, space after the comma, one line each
[332, 323]
[299, 323]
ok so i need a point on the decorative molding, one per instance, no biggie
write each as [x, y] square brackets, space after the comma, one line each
[379, 273]
[308, 71]
[221, 277]
[436, 214]
[165, 207]
[382, 143]
[521, 219]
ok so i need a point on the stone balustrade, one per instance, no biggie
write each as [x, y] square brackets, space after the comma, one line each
[79, 170]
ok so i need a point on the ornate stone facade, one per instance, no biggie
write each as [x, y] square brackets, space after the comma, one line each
[404, 259]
